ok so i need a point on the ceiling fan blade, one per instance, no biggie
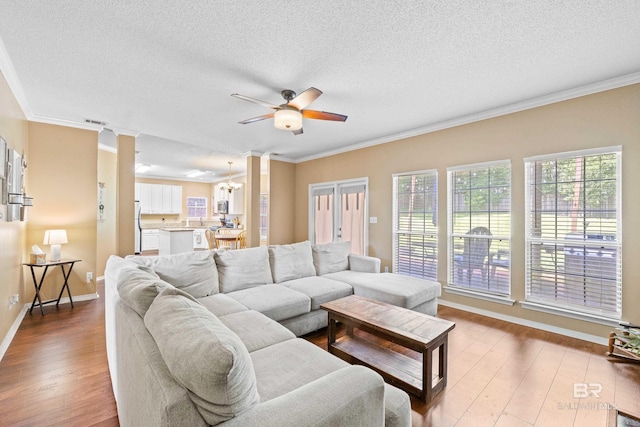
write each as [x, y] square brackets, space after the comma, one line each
[257, 119]
[305, 98]
[297, 132]
[256, 101]
[323, 115]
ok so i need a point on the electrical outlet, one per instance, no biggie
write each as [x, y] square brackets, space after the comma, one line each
[89, 276]
[13, 299]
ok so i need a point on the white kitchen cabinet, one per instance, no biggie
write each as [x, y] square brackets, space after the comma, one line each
[159, 198]
[150, 240]
[166, 198]
[176, 199]
[145, 198]
[236, 202]
[156, 199]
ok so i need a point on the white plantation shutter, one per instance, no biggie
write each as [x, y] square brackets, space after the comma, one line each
[573, 242]
[415, 237]
[479, 210]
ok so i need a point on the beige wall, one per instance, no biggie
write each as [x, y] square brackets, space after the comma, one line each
[281, 191]
[604, 119]
[14, 130]
[106, 242]
[63, 180]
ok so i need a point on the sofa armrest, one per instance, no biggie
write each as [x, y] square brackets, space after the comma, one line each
[352, 396]
[364, 264]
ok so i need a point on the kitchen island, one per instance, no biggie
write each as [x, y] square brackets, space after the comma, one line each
[175, 240]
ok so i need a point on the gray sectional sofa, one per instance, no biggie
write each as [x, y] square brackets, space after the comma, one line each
[210, 337]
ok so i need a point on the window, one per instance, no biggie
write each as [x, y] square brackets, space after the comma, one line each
[480, 227]
[415, 225]
[573, 236]
[196, 207]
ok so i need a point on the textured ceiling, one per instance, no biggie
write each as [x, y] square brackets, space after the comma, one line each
[166, 69]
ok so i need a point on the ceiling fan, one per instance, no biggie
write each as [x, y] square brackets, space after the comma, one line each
[288, 116]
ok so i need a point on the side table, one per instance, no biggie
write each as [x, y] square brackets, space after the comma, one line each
[38, 284]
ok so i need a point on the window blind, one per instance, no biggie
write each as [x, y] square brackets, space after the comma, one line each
[415, 225]
[573, 238]
[479, 227]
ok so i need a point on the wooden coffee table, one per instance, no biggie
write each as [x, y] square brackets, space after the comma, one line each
[407, 328]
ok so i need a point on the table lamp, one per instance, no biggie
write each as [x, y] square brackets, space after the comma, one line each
[55, 238]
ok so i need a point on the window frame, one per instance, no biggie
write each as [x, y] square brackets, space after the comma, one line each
[428, 266]
[537, 302]
[453, 274]
[190, 206]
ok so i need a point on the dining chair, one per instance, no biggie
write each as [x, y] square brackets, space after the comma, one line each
[241, 240]
[211, 238]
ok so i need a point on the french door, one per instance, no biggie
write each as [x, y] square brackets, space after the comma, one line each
[338, 212]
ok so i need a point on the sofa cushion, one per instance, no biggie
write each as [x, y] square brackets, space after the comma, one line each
[292, 261]
[275, 301]
[256, 330]
[286, 366]
[243, 268]
[396, 289]
[331, 257]
[193, 272]
[319, 289]
[138, 288]
[204, 356]
[221, 304]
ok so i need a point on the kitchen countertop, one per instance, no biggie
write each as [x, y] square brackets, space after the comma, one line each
[176, 225]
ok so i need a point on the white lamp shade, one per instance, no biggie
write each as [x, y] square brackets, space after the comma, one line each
[55, 237]
[287, 119]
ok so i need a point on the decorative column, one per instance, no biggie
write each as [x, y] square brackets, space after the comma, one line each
[252, 199]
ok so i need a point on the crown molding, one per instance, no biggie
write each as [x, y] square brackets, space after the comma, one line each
[108, 148]
[565, 95]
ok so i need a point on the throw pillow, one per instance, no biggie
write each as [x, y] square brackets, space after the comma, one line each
[242, 269]
[331, 257]
[289, 262]
[138, 288]
[204, 356]
[193, 272]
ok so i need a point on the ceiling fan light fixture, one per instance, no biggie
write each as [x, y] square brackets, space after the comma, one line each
[287, 119]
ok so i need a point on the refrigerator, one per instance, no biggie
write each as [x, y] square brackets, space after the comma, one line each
[137, 229]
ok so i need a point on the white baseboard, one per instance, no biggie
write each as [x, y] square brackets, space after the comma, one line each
[524, 322]
[4, 346]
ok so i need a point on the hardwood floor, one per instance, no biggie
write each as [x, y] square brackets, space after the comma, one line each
[500, 374]
[55, 371]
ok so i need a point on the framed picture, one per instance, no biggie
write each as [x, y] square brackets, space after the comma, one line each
[3, 158]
